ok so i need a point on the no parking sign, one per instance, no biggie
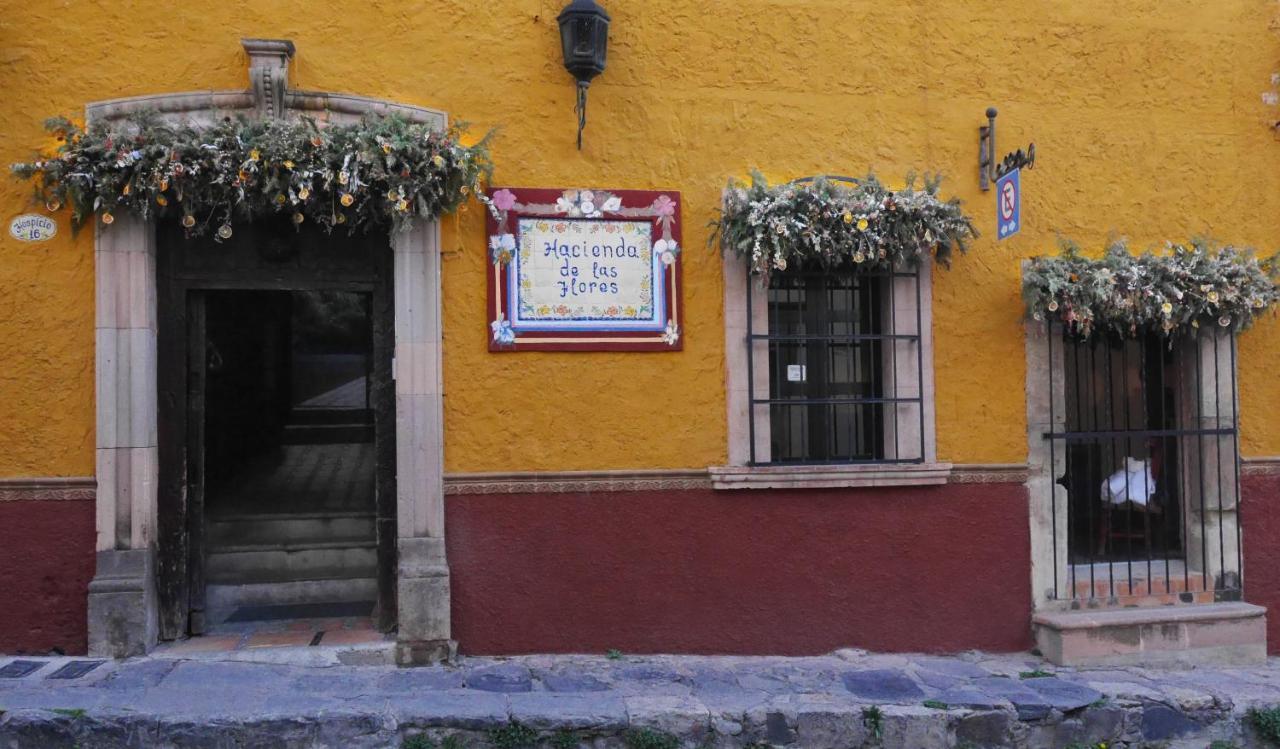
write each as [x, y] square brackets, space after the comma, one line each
[1008, 205]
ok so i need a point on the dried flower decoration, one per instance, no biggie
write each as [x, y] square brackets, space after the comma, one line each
[1174, 293]
[240, 168]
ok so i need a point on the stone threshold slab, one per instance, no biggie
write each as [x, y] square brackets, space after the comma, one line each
[1214, 634]
[1113, 617]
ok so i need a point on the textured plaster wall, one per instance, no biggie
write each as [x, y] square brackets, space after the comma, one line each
[46, 562]
[785, 573]
[1261, 496]
[1149, 120]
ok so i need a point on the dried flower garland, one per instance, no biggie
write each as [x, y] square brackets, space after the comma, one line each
[381, 171]
[823, 221]
[1171, 294]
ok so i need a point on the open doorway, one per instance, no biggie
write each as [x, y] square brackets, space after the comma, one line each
[289, 458]
[276, 432]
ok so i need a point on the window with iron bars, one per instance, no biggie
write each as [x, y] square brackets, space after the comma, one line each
[1143, 444]
[836, 374]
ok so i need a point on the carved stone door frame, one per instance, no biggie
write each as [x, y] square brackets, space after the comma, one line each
[135, 535]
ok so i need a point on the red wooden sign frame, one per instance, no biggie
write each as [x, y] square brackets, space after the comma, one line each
[660, 208]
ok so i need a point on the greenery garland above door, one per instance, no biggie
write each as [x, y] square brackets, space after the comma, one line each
[380, 171]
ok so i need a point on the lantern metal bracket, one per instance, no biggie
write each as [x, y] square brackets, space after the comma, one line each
[1018, 159]
[988, 169]
[581, 109]
[584, 40]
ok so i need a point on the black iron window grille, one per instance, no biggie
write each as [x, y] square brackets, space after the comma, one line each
[1143, 444]
[836, 374]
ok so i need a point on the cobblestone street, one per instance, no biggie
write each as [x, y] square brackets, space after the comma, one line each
[313, 697]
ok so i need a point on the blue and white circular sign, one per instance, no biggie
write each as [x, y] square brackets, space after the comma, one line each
[32, 227]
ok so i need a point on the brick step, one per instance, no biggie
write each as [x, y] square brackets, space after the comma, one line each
[1102, 586]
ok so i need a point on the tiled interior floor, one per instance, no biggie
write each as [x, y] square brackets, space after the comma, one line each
[348, 395]
[288, 633]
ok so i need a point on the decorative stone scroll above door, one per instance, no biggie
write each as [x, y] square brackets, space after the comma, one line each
[125, 612]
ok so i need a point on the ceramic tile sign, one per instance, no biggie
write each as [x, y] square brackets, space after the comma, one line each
[32, 227]
[584, 270]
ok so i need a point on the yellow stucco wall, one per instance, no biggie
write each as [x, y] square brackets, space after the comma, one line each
[1148, 116]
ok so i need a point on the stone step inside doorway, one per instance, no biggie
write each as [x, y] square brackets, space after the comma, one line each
[261, 560]
[223, 601]
[288, 528]
[320, 425]
[286, 562]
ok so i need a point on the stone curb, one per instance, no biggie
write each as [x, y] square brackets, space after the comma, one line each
[640, 722]
[842, 701]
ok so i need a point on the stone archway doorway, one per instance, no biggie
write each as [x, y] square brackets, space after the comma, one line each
[143, 533]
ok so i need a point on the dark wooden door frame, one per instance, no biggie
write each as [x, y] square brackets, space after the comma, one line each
[197, 378]
[180, 549]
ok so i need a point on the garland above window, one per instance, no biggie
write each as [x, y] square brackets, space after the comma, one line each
[1192, 286]
[381, 171]
[823, 221]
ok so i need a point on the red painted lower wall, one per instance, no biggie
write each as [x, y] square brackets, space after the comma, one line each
[46, 562]
[923, 569]
[935, 569]
[1260, 518]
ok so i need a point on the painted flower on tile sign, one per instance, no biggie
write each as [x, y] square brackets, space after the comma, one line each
[664, 206]
[666, 250]
[502, 247]
[585, 203]
[502, 332]
[671, 335]
[504, 200]
[567, 203]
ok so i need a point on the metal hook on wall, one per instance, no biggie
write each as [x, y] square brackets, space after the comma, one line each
[988, 169]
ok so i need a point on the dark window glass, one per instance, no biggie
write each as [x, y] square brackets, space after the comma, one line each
[1122, 462]
[824, 363]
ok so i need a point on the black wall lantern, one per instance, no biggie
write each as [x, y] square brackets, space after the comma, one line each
[584, 37]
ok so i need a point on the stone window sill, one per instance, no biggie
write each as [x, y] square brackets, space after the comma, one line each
[829, 477]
